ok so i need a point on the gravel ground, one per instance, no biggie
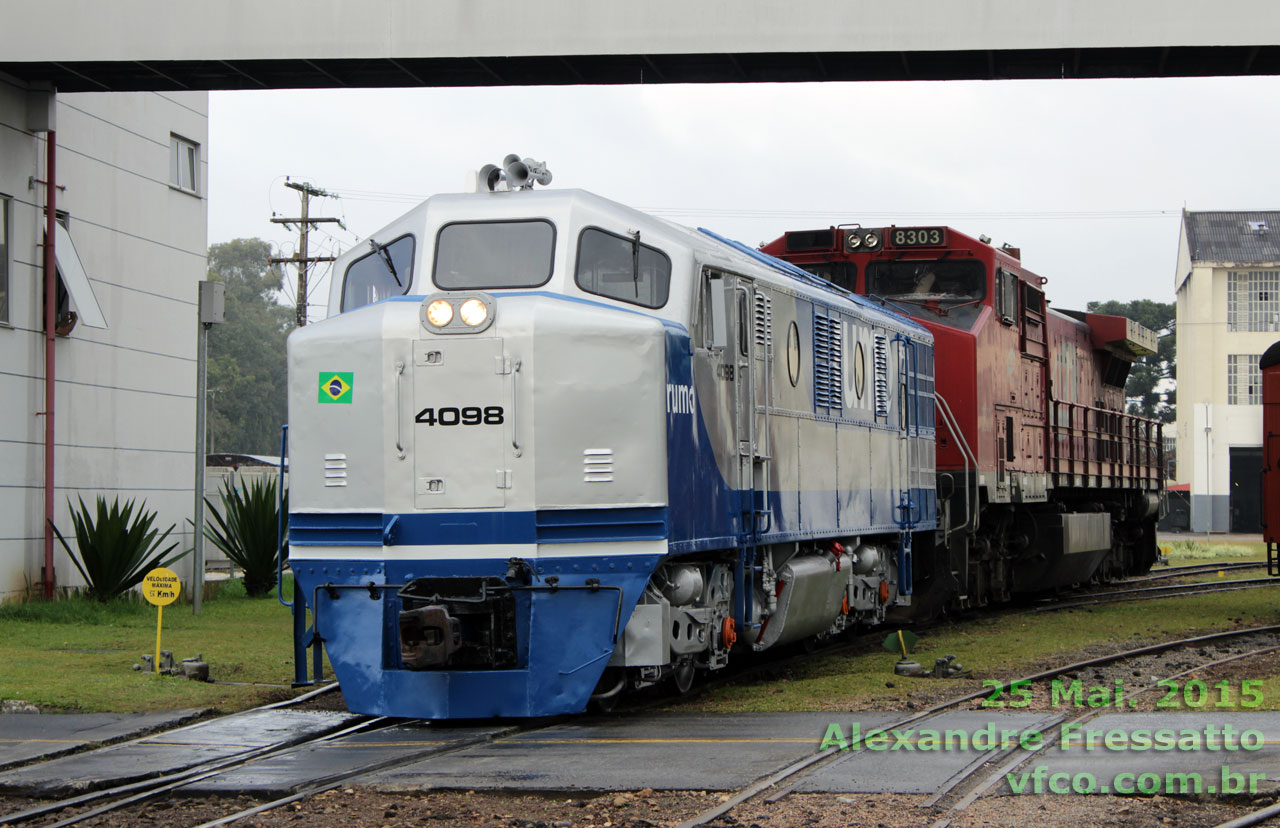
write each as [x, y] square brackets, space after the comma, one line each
[359, 808]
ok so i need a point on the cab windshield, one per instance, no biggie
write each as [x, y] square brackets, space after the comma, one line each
[950, 292]
[478, 255]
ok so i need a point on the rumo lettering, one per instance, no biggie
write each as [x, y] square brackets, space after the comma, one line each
[679, 399]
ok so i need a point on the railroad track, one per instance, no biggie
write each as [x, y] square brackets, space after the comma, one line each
[1111, 596]
[73, 810]
[140, 791]
[978, 777]
[1195, 569]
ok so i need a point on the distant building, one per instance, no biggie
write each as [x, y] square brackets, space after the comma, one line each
[132, 248]
[1228, 313]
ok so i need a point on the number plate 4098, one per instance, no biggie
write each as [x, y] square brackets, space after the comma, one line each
[470, 415]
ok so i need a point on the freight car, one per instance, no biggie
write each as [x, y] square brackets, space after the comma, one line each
[1269, 366]
[547, 448]
[1043, 479]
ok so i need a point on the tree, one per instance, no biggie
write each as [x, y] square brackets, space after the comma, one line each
[247, 378]
[1150, 390]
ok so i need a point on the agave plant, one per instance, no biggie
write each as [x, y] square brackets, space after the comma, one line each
[248, 533]
[117, 546]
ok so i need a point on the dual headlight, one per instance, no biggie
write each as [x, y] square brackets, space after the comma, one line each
[457, 313]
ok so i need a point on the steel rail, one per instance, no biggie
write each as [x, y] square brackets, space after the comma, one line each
[165, 784]
[145, 788]
[1122, 596]
[1194, 569]
[1167, 587]
[1001, 772]
[338, 780]
[831, 759]
[1253, 818]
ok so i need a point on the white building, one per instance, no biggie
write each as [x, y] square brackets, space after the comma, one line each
[134, 207]
[1228, 313]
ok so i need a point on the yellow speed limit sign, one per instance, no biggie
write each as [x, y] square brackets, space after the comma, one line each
[161, 586]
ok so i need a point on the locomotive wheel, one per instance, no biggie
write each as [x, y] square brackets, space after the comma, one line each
[683, 675]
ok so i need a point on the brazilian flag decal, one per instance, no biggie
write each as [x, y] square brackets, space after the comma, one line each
[335, 386]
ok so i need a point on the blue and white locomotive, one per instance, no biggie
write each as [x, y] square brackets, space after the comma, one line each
[547, 448]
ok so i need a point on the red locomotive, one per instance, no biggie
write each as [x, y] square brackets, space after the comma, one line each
[1043, 480]
[1270, 367]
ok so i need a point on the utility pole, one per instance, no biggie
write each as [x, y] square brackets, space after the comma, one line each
[306, 192]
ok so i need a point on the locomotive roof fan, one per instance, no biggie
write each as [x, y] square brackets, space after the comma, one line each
[516, 172]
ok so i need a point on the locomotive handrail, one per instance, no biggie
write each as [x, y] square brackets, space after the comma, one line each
[970, 504]
[911, 423]
[515, 402]
[400, 452]
[1108, 447]
[284, 437]
[768, 394]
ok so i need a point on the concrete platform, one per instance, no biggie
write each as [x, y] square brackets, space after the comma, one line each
[169, 752]
[28, 736]
[915, 767]
[1206, 763]
[287, 772]
[670, 751]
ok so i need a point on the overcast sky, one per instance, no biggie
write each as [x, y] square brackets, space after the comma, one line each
[1088, 177]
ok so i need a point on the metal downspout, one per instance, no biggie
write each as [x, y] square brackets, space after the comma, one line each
[50, 314]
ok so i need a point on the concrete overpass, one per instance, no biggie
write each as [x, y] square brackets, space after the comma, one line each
[89, 45]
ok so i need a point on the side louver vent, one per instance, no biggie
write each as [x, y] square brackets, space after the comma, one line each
[335, 470]
[597, 466]
[764, 323]
[828, 368]
[881, 349]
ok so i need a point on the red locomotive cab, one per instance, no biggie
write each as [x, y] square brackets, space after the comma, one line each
[1270, 367]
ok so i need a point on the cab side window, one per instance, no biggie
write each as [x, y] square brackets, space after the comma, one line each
[620, 267]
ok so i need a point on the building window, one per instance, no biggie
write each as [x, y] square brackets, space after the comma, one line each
[184, 163]
[1244, 380]
[1253, 300]
[4, 260]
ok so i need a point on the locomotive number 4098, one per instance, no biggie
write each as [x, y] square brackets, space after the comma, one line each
[471, 415]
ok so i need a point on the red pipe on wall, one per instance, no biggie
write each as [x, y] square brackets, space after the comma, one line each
[50, 313]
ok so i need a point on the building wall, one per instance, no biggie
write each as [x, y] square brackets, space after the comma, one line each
[1204, 345]
[125, 408]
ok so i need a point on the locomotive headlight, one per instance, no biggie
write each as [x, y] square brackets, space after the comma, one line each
[854, 241]
[873, 239]
[464, 312]
[440, 312]
[473, 312]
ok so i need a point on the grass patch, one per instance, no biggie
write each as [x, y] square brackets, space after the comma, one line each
[76, 653]
[1183, 552]
[1000, 647]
